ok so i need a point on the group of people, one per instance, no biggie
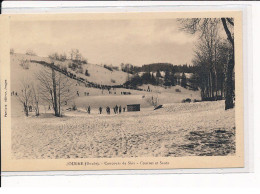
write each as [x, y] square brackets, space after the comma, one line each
[13, 93]
[117, 109]
[109, 92]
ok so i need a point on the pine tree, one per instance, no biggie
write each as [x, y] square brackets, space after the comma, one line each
[153, 80]
[183, 80]
[158, 74]
[167, 78]
[172, 79]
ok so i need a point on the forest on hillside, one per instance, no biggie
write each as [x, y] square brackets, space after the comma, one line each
[212, 67]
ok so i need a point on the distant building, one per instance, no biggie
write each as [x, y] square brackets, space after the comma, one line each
[133, 107]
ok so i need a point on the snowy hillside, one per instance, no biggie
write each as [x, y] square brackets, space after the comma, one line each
[95, 97]
[97, 73]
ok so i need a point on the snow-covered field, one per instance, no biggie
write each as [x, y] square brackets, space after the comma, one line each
[178, 129]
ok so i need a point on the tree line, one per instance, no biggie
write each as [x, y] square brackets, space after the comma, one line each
[169, 79]
[51, 88]
[154, 67]
[214, 57]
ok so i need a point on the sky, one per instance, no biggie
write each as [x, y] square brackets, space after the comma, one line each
[107, 41]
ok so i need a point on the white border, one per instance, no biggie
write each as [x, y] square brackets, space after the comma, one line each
[13, 7]
[27, 7]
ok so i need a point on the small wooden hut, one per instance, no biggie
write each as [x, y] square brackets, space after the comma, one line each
[133, 107]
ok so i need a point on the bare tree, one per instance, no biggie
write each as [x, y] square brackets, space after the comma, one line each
[202, 26]
[35, 100]
[206, 56]
[58, 57]
[30, 53]
[25, 96]
[75, 55]
[55, 88]
[54, 56]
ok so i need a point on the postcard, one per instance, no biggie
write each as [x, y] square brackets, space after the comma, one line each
[111, 91]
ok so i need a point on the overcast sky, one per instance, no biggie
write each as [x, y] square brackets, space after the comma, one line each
[107, 41]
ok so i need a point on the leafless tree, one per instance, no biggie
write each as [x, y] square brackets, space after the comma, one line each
[76, 56]
[35, 99]
[206, 57]
[54, 56]
[30, 53]
[58, 57]
[202, 26]
[25, 96]
[55, 88]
